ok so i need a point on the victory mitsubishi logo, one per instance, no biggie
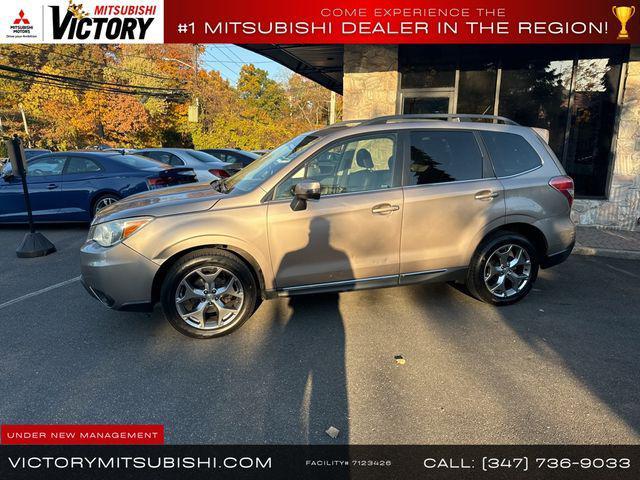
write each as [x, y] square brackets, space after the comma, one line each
[110, 22]
[21, 19]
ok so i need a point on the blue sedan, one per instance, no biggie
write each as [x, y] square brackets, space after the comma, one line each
[73, 186]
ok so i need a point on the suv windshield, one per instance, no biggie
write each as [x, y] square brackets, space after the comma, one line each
[268, 165]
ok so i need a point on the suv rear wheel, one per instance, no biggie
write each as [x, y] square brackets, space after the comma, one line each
[503, 269]
[208, 293]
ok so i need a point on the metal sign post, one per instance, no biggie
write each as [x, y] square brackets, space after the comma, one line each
[33, 244]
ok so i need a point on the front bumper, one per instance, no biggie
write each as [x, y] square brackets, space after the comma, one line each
[118, 277]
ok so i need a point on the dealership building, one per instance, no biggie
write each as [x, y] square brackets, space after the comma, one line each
[586, 96]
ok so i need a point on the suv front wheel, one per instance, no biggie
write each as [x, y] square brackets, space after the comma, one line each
[208, 293]
[503, 269]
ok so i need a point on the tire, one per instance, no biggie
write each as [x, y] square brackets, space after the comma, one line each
[506, 258]
[102, 201]
[195, 312]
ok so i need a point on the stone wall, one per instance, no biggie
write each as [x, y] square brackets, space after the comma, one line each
[622, 208]
[371, 81]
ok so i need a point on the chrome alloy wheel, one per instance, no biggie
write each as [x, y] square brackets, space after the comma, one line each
[105, 202]
[209, 298]
[507, 271]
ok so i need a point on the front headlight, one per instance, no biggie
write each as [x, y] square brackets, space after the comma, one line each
[109, 233]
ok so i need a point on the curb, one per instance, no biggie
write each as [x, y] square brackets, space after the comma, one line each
[607, 252]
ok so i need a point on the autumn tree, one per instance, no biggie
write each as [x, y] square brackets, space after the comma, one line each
[76, 96]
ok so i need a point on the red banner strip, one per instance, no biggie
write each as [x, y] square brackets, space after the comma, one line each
[82, 434]
[409, 21]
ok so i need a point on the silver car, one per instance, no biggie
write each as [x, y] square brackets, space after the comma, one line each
[206, 166]
[390, 201]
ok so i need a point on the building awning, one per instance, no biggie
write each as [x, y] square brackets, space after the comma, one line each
[321, 63]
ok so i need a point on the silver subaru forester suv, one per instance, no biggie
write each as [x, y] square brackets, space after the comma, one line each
[390, 201]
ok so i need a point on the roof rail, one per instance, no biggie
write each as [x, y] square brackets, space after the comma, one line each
[437, 116]
[347, 123]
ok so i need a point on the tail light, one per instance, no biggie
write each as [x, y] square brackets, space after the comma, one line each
[219, 173]
[564, 185]
[157, 182]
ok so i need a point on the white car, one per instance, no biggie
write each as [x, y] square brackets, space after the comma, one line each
[207, 167]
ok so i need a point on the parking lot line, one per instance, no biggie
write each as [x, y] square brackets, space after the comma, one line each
[38, 292]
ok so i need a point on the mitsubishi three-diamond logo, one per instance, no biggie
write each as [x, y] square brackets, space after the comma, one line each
[21, 19]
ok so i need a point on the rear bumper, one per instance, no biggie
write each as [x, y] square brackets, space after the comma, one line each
[556, 258]
[119, 277]
[560, 237]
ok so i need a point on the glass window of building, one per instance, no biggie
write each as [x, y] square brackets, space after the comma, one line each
[536, 94]
[593, 116]
[571, 91]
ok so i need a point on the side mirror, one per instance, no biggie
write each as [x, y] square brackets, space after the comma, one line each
[303, 191]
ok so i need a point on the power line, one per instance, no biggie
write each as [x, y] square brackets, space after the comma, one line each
[85, 60]
[242, 63]
[82, 85]
[232, 52]
[215, 59]
[85, 81]
[83, 89]
[222, 52]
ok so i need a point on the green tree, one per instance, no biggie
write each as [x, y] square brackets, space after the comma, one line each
[261, 92]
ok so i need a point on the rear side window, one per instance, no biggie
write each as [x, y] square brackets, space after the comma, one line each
[164, 157]
[510, 153]
[172, 160]
[82, 165]
[202, 156]
[136, 161]
[222, 156]
[443, 156]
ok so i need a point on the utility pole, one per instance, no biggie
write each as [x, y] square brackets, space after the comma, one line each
[195, 61]
[24, 123]
[195, 79]
[332, 109]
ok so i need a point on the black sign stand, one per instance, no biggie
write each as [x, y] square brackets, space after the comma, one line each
[33, 244]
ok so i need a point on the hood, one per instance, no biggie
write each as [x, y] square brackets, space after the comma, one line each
[194, 197]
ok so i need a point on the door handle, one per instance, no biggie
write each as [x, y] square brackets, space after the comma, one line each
[384, 208]
[52, 186]
[486, 195]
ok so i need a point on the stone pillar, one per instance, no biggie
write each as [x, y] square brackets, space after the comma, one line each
[622, 208]
[371, 81]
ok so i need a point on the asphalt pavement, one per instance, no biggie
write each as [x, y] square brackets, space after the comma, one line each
[562, 366]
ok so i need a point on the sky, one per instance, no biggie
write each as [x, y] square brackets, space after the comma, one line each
[228, 59]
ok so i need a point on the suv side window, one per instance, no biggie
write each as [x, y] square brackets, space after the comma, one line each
[510, 153]
[356, 165]
[439, 156]
[82, 165]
